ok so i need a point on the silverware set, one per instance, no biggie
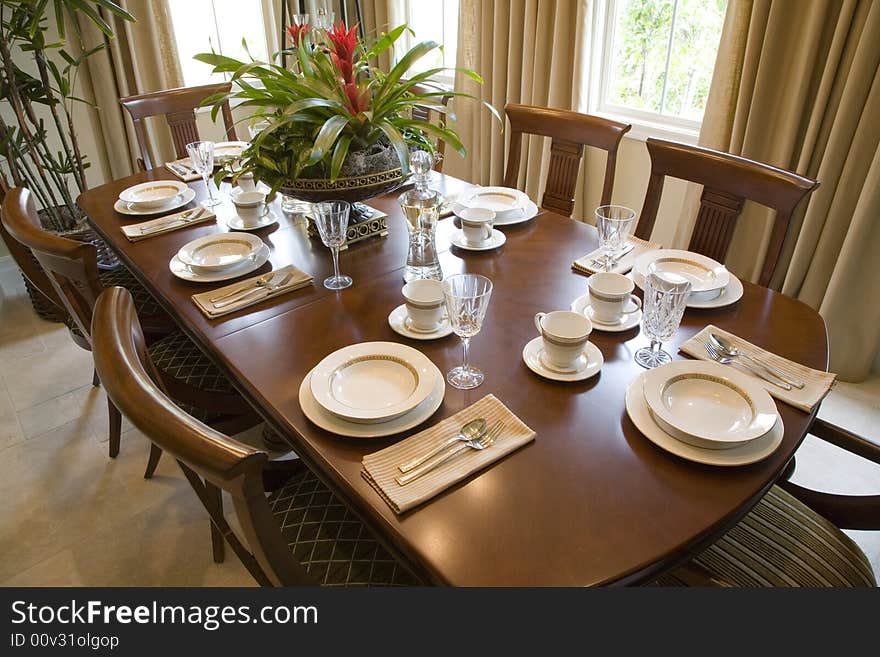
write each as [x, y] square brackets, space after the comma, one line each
[719, 357]
[726, 348]
[184, 218]
[467, 439]
[269, 283]
[182, 169]
[600, 262]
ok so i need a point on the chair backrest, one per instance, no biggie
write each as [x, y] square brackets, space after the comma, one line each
[71, 267]
[204, 454]
[569, 133]
[26, 261]
[728, 181]
[178, 106]
[431, 115]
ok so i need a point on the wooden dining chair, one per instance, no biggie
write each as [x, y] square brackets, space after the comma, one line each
[728, 181]
[431, 115]
[301, 534]
[569, 133]
[178, 106]
[72, 271]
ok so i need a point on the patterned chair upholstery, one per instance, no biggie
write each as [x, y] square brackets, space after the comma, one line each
[144, 302]
[330, 542]
[781, 542]
[178, 357]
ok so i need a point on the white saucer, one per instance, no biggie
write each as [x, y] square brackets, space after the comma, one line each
[267, 219]
[179, 201]
[532, 356]
[752, 452]
[498, 238]
[329, 422]
[180, 269]
[398, 322]
[731, 293]
[529, 212]
[627, 320]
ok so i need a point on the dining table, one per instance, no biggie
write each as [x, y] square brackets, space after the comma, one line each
[590, 501]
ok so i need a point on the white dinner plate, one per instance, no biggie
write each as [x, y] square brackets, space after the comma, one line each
[751, 452]
[373, 382]
[266, 219]
[329, 422]
[153, 195]
[498, 239]
[707, 277]
[592, 363]
[530, 212]
[399, 322]
[177, 202]
[219, 251]
[228, 150]
[627, 320]
[707, 404]
[505, 202]
[183, 271]
[731, 293]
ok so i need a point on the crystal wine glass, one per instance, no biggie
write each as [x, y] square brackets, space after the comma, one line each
[467, 299]
[614, 224]
[666, 297]
[201, 155]
[331, 218]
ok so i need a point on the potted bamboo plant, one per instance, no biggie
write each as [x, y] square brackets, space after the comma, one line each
[38, 141]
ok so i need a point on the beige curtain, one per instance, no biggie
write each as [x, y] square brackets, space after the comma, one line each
[526, 52]
[142, 57]
[797, 85]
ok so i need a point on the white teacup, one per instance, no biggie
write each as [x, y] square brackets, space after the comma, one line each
[564, 334]
[250, 206]
[476, 224]
[424, 304]
[611, 297]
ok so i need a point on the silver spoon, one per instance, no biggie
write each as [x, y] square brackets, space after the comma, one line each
[474, 429]
[717, 356]
[185, 217]
[484, 442]
[727, 348]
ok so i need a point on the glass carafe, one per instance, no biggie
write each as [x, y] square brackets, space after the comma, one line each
[421, 208]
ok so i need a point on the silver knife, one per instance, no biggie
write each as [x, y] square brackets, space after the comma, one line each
[277, 279]
[184, 218]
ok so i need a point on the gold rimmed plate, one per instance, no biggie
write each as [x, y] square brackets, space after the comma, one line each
[372, 382]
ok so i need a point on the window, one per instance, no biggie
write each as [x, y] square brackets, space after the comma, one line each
[432, 21]
[203, 25]
[657, 62]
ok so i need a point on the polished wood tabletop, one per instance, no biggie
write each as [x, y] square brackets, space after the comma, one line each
[590, 501]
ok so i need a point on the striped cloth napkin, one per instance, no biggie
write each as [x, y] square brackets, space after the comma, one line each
[182, 169]
[166, 224]
[585, 264]
[297, 280]
[817, 383]
[380, 469]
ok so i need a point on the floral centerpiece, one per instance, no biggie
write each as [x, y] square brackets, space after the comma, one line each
[336, 125]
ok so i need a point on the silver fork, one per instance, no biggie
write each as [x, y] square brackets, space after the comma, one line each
[487, 440]
[184, 218]
[269, 285]
[724, 360]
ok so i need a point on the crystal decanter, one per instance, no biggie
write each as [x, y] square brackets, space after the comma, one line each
[421, 207]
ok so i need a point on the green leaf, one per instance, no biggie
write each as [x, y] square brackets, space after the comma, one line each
[398, 142]
[340, 152]
[327, 137]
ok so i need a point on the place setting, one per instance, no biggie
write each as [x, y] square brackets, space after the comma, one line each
[154, 197]
[510, 205]
[712, 285]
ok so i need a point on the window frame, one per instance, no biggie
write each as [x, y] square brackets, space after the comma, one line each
[448, 78]
[645, 124]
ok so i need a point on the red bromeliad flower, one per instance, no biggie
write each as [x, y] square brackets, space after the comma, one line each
[296, 32]
[342, 51]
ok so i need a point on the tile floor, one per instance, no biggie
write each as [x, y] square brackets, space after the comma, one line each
[69, 515]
